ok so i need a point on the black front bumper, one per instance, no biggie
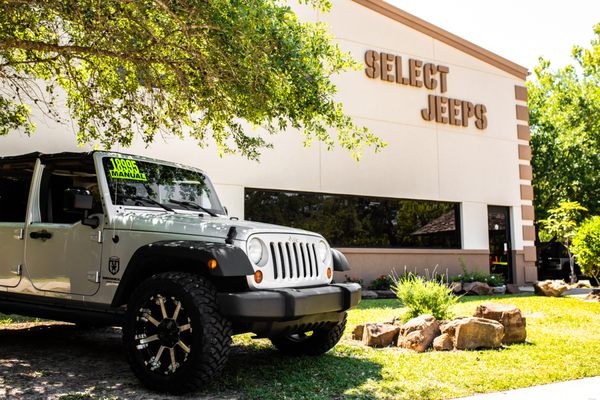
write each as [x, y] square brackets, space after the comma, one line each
[289, 304]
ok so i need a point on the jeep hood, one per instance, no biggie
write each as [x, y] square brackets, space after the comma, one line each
[194, 225]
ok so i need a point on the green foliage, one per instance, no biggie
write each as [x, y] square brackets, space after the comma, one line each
[352, 279]
[424, 296]
[147, 68]
[490, 279]
[478, 276]
[383, 282]
[565, 123]
[562, 222]
[586, 247]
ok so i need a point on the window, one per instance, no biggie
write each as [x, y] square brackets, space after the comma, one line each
[359, 221]
[60, 175]
[140, 183]
[15, 181]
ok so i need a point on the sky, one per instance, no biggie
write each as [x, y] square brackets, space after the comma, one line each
[519, 30]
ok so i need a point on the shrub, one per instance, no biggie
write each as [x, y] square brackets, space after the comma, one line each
[384, 282]
[496, 280]
[586, 247]
[351, 279]
[477, 276]
[424, 296]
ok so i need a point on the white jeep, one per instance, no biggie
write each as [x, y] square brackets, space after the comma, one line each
[105, 238]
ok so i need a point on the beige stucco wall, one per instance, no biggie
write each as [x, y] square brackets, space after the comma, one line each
[372, 263]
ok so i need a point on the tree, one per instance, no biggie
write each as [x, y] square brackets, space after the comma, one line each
[561, 225]
[586, 247]
[176, 67]
[565, 123]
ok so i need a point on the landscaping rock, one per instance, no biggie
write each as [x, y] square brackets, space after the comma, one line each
[478, 288]
[498, 289]
[418, 333]
[385, 294]
[357, 333]
[369, 294]
[509, 316]
[474, 333]
[456, 287]
[582, 285]
[511, 288]
[380, 335]
[443, 342]
[594, 295]
[550, 288]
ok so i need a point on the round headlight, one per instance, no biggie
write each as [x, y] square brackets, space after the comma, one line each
[255, 250]
[322, 250]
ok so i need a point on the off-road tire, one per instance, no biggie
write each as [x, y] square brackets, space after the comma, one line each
[321, 341]
[208, 333]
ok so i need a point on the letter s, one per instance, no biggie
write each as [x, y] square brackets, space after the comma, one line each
[372, 62]
[481, 122]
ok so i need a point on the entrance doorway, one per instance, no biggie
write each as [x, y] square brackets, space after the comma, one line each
[500, 245]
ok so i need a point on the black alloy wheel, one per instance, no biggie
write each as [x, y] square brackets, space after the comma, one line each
[163, 334]
[176, 340]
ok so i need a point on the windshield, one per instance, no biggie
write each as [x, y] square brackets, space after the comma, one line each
[147, 184]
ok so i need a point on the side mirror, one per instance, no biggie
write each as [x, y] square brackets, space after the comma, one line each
[77, 199]
[226, 210]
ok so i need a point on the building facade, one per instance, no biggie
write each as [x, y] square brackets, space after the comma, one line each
[453, 187]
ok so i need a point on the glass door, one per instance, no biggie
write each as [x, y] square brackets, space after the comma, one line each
[500, 245]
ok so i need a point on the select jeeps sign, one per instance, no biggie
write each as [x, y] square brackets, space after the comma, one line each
[444, 110]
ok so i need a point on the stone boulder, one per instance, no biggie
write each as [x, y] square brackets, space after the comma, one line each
[477, 288]
[369, 294]
[550, 288]
[380, 335]
[443, 342]
[511, 288]
[509, 316]
[418, 333]
[456, 287]
[584, 284]
[472, 333]
[594, 295]
[385, 294]
[357, 333]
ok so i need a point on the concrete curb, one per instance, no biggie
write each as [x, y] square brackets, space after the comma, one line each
[580, 389]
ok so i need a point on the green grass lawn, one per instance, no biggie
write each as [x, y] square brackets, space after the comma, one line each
[563, 343]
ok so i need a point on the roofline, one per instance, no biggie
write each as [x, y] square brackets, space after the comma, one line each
[444, 36]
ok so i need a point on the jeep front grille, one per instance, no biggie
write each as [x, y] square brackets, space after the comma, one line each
[294, 260]
[291, 261]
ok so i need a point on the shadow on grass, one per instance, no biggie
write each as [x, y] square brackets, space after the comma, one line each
[267, 374]
[65, 361]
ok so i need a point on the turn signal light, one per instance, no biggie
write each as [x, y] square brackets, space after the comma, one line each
[258, 277]
[212, 263]
[329, 272]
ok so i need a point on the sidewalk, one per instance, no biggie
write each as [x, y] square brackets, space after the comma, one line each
[581, 389]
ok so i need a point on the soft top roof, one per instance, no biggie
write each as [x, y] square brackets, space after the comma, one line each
[53, 156]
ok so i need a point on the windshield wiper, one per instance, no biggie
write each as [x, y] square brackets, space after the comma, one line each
[148, 200]
[192, 205]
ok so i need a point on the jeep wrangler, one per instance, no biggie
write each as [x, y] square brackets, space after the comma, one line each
[104, 238]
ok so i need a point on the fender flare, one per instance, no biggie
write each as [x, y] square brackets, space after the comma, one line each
[340, 262]
[154, 258]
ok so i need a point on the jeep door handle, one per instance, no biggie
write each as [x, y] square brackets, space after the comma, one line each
[43, 234]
